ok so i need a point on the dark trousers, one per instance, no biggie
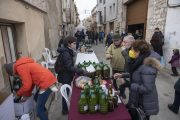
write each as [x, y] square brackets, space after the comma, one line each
[176, 103]
[122, 89]
[64, 105]
[174, 71]
[99, 39]
[77, 44]
[148, 117]
[96, 42]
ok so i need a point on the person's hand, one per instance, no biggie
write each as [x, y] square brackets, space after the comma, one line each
[22, 100]
[16, 97]
[117, 75]
[86, 73]
[109, 56]
[123, 48]
[127, 83]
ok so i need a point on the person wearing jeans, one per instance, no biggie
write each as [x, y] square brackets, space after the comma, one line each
[175, 106]
[41, 100]
[67, 69]
[31, 74]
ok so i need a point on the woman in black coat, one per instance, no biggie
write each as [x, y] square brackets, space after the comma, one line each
[67, 69]
[156, 44]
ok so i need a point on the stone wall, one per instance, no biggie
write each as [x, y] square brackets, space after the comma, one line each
[156, 17]
[40, 4]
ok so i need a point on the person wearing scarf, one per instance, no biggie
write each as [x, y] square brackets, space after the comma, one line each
[144, 65]
[156, 44]
[116, 59]
[67, 72]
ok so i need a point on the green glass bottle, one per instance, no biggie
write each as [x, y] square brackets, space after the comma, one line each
[96, 80]
[79, 65]
[111, 104]
[110, 90]
[17, 83]
[103, 103]
[106, 72]
[83, 68]
[95, 86]
[98, 70]
[83, 103]
[86, 87]
[93, 106]
[115, 99]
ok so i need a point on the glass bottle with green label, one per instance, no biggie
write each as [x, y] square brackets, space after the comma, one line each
[86, 87]
[106, 72]
[96, 79]
[17, 83]
[115, 99]
[83, 102]
[98, 70]
[103, 103]
[111, 104]
[110, 89]
[93, 106]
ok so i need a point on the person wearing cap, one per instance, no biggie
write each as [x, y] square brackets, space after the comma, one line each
[32, 74]
[114, 55]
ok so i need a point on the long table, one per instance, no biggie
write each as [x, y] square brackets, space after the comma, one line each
[119, 113]
[81, 57]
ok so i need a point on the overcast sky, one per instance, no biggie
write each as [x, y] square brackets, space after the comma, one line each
[83, 5]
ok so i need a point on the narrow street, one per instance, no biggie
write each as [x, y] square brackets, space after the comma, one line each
[164, 84]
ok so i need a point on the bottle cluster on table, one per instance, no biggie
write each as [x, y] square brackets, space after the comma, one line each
[102, 70]
[93, 99]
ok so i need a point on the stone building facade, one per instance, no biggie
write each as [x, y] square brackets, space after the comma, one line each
[27, 27]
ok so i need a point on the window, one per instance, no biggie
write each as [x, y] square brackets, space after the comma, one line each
[104, 1]
[100, 1]
[114, 7]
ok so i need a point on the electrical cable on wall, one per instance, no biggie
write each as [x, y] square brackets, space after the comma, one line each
[173, 5]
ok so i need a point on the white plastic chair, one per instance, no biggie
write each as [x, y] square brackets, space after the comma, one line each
[44, 64]
[64, 93]
[47, 60]
[50, 61]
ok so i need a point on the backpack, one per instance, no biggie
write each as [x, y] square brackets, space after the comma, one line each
[57, 65]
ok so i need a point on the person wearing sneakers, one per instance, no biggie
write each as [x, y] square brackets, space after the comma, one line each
[113, 54]
[32, 74]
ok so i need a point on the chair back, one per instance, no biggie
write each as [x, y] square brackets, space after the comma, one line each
[44, 64]
[64, 93]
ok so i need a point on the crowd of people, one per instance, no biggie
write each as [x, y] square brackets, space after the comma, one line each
[137, 61]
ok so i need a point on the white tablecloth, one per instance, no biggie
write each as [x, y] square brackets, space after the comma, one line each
[81, 57]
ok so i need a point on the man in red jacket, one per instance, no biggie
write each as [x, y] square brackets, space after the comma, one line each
[32, 74]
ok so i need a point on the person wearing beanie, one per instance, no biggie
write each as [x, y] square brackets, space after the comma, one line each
[32, 74]
[113, 54]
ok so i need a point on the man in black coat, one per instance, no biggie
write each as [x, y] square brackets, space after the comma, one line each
[109, 39]
[160, 34]
[123, 34]
[83, 35]
[61, 41]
